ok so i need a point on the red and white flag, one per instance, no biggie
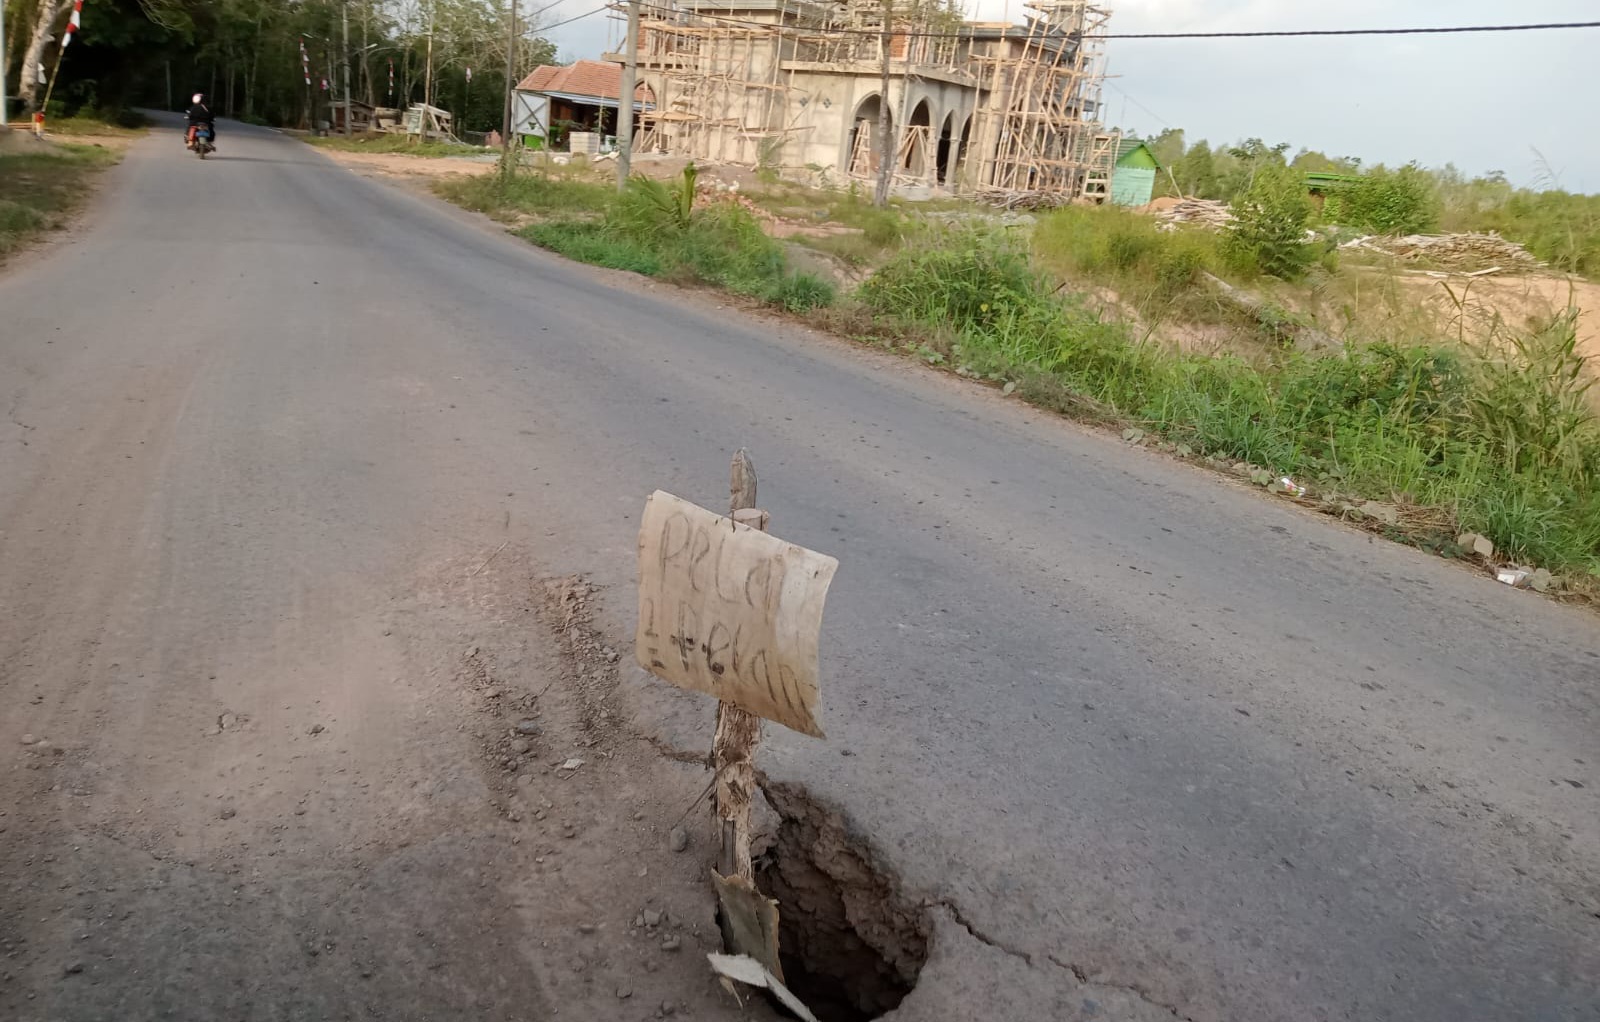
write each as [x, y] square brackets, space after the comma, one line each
[72, 24]
[469, 75]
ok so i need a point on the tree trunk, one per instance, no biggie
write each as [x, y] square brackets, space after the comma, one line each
[33, 56]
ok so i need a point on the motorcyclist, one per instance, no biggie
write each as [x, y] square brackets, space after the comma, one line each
[200, 114]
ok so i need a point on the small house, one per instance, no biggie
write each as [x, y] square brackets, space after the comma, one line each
[1133, 176]
[361, 114]
[555, 101]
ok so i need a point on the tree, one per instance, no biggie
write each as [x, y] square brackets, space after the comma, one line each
[1385, 201]
[1197, 172]
[1168, 147]
[1312, 162]
[1268, 232]
[1246, 160]
[245, 54]
[49, 17]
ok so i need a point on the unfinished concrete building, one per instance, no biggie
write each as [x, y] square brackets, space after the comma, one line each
[977, 108]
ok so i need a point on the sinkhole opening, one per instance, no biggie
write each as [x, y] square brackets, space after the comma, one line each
[851, 945]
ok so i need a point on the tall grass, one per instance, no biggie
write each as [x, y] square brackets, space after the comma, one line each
[1105, 244]
[1500, 439]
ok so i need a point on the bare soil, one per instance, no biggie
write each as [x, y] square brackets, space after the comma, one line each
[394, 165]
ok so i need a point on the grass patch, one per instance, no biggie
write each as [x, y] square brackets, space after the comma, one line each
[1159, 274]
[388, 142]
[659, 230]
[526, 193]
[590, 243]
[125, 123]
[1500, 440]
[41, 184]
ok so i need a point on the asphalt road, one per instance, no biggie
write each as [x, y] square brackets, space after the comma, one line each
[1131, 722]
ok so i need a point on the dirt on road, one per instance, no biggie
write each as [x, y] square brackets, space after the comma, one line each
[422, 808]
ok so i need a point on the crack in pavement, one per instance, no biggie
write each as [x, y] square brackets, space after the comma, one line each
[1077, 971]
[1135, 989]
[962, 921]
[11, 413]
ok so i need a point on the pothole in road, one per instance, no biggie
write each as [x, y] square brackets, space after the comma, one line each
[852, 945]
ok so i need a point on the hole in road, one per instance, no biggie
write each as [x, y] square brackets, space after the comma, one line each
[851, 945]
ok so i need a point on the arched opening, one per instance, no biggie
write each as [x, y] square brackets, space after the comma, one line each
[943, 154]
[862, 156]
[917, 143]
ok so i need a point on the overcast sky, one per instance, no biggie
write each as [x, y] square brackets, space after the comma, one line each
[1483, 102]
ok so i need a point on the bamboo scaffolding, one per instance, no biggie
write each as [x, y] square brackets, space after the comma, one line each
[1031, 124]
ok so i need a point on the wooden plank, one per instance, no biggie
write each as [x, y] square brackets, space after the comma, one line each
[749, 921]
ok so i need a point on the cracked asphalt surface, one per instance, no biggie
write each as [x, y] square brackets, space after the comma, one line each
[1164, 747]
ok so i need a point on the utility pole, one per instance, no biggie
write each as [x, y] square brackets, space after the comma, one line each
[505, 120]
[630, 84]
[344, 22]
[880, 194]
[427, 76]
[5, 102]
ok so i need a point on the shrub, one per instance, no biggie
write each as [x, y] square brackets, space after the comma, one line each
[656, 229]
[1268, 232]
[970, 279]
[1386, 201]
[802, 292]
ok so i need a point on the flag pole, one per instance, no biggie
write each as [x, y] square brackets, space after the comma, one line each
[66, 39]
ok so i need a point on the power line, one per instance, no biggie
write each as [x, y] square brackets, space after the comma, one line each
[1140, 105]
[546, 7]
[1307, 32]
[568, 21]
[1019, 31]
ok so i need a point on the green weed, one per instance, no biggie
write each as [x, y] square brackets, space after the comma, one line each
[1501, 440]
[525, 193]
[656, 229]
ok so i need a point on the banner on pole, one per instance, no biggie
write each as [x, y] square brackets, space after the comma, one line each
[72, 24]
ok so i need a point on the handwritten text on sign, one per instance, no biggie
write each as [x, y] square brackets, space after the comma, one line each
[731, 611]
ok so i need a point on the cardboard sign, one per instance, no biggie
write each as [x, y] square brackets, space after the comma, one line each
[730, 611]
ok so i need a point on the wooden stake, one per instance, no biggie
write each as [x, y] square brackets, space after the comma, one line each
[738, 732]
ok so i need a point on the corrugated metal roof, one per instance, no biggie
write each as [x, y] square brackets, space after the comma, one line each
[594, 79]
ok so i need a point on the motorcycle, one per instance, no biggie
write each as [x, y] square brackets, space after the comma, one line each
[200, 140]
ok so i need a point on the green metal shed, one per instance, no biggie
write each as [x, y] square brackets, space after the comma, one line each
[1133, 180]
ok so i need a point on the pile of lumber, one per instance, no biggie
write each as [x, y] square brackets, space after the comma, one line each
[1008, 200]
[1207, 212]
[1451, 251]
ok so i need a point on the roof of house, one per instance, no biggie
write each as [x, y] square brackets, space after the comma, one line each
[1128, 146]
[593, 78]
